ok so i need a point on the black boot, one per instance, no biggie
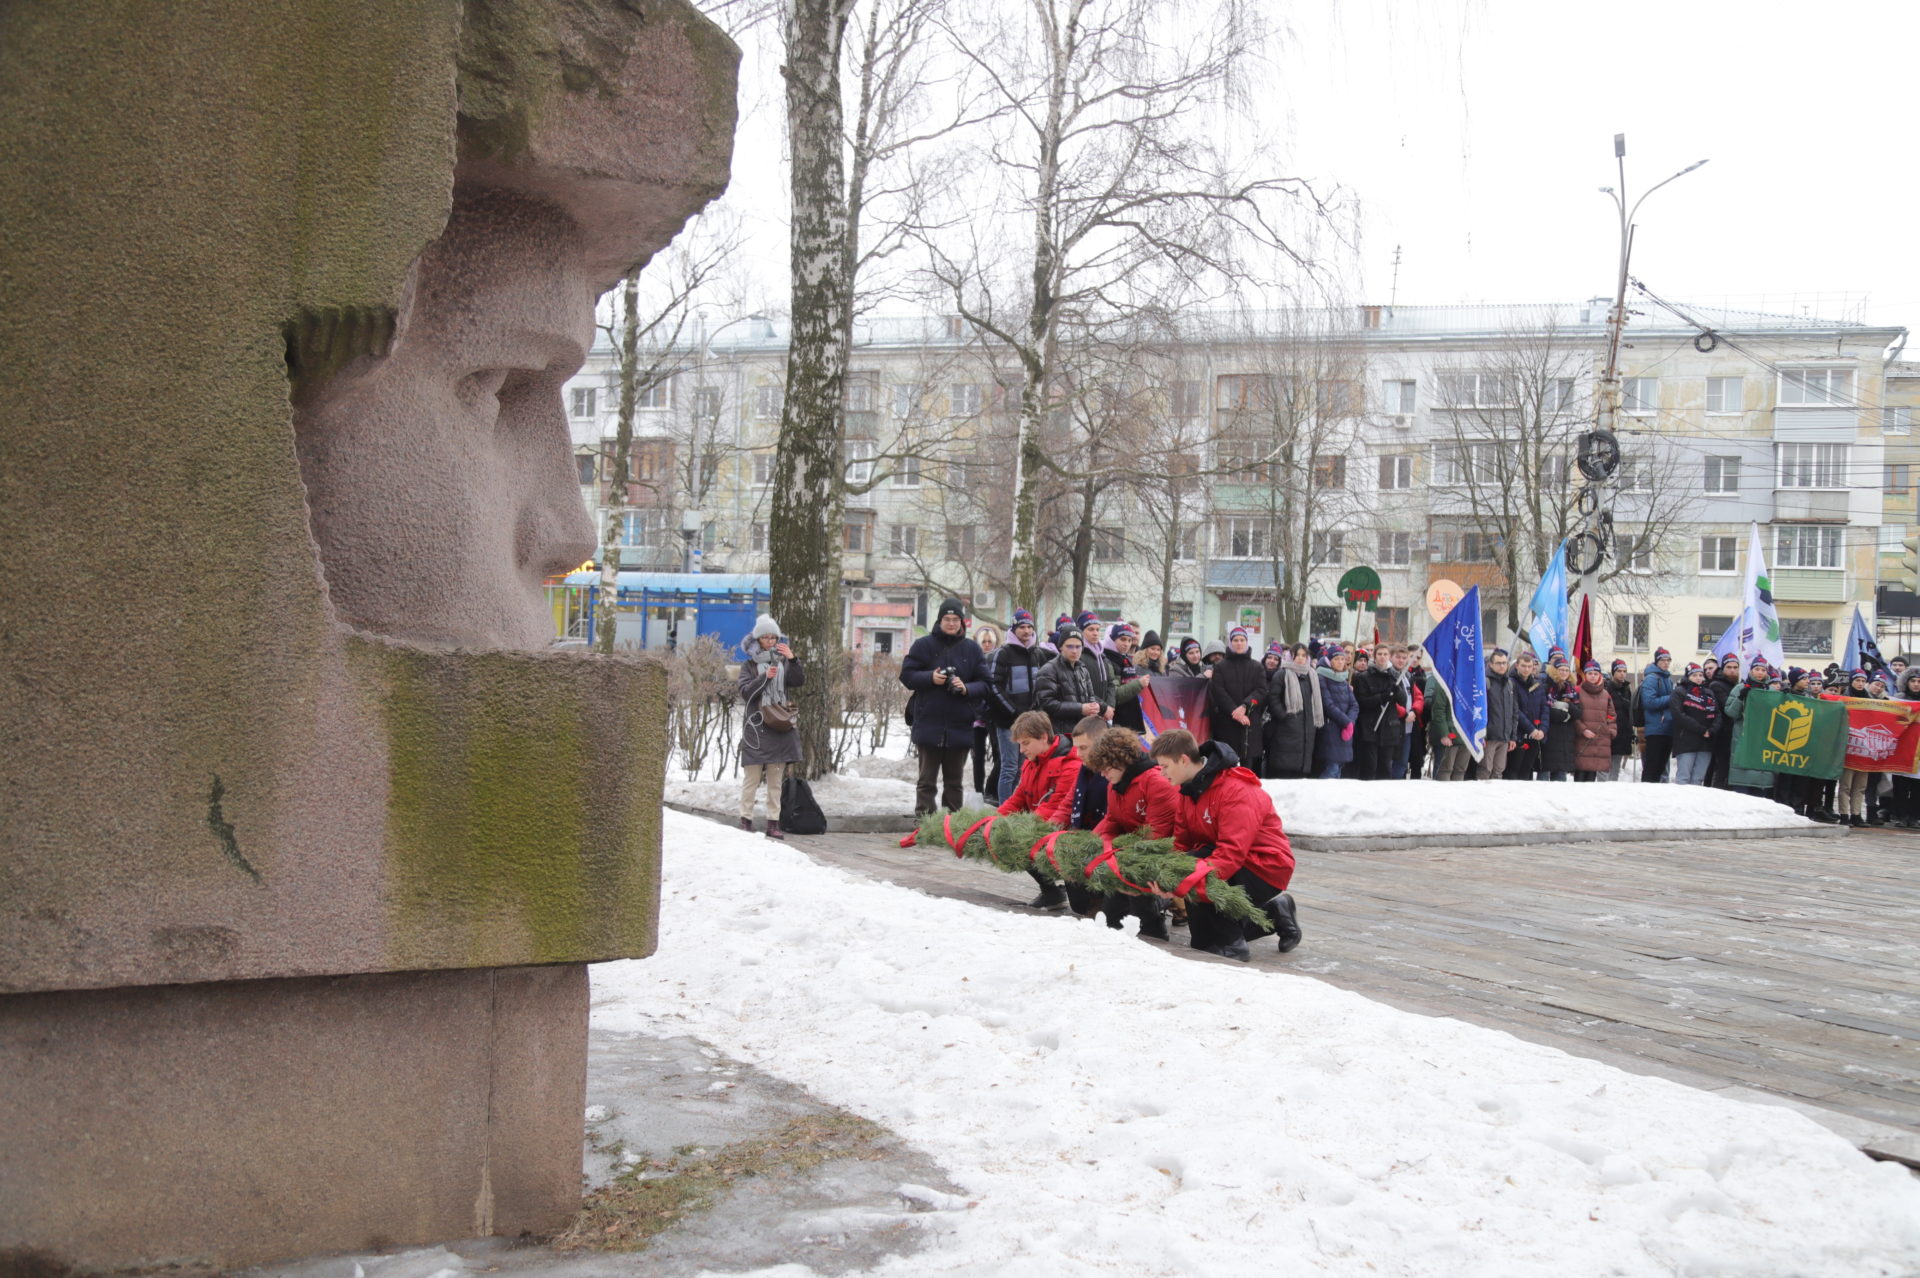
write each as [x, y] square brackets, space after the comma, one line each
[1234, 949]
[1286, 924]
[1857, 821]
[1052, 895]
[1153, 920]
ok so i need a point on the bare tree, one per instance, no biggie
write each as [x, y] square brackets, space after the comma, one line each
[1107, 147]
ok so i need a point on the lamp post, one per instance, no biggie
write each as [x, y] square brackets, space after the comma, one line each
[1617, 320]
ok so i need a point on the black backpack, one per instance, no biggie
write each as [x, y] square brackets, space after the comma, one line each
[799, 813]
[1639, 712]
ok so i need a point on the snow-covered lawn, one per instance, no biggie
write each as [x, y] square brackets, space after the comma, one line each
[1111, 1108]
[1516, 807]
[837, 795]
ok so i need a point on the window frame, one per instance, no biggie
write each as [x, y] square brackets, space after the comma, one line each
[1726, 550]
[1802, 379]
[1633, 403]
[1720, 474]
[1721, 384]
[1395, 472]
[1256, 529]
[1823, 465]
[1327, 548]
[1828, 536]
[1395, 548]
[592, 400]
[1639, 631]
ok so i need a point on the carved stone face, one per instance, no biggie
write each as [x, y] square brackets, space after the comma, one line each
[438, 477]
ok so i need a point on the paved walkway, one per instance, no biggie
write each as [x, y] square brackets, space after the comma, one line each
[1788, 968]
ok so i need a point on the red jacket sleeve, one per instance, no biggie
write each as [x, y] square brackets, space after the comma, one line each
[1027, 790]
[1163, 805]
[1057, 807]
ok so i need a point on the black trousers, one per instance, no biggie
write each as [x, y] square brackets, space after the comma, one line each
[986, 761]
[1208, 929]
[1654, 757]
[937, 763]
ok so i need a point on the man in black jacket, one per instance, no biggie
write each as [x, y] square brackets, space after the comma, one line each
[947, 674]
[1236, 699]
[1379, 732]
[1010, 685]
[1503, 717]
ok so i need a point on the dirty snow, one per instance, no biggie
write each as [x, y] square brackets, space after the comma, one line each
[1110, 1108]
[1516, 807]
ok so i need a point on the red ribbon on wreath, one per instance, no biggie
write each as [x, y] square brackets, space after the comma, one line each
[1109, 858]
[1197, 881]
[1045, 844]
[959, 849]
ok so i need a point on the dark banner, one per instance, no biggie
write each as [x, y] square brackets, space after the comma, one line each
[1175, 701]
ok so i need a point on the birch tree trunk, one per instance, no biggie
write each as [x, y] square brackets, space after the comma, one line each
[804, 532]
[606, 608]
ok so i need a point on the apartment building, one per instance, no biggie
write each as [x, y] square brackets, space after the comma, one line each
[1264, 455]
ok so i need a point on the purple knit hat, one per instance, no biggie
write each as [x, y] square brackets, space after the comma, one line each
[1239, 631]
[1021, 617]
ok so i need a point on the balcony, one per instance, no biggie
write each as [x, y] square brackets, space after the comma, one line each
[856, 566]
[1809, 585]
[1811, 505]
[1243, 574]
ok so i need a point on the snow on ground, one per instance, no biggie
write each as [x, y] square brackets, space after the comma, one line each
[1111, 1108]
[1516, 807]
[841, 796]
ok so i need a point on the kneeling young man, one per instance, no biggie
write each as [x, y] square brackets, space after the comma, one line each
[1228, 820]
[1140, 800]
[1048, 779]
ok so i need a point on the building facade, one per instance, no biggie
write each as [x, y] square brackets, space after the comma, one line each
[1232, 472]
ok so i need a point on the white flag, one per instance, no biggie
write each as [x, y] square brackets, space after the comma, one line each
[1760, 628]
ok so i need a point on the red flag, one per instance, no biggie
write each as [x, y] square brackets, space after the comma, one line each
[1583, 638]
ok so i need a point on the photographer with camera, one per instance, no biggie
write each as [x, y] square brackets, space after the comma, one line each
[946, 672]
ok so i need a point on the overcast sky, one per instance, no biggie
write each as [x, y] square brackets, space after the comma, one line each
[1476, 135]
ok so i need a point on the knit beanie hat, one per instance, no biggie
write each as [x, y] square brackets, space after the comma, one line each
[1021, 617]
[1693, 668]
[1619, 664]
[1085, 619]
[1188, 642]
[1062, 621]
[764, 625]
[1238, 632]
[1152, 640]
[1331, 650]
[1276, 649]
[950, 605]
[1592, 667]
[1556, 656]
[1661, 654]
[1119, 628]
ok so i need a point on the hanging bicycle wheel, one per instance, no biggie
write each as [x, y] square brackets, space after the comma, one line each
[1585, 553]
[1588, 500]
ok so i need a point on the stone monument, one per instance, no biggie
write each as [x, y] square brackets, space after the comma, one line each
[304, 840]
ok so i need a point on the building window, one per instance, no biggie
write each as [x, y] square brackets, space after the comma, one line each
[1397, 396]
[757, 539]
[1634, 552]
[1396, 549]
[1723, 395]
[1630, 631]
[1806, 546]
[768, 401]
[1635, 474]
[1717, 554]
[584, 398]
[1723, 473]
[588, 466]
[1186, 546]
[1391, 623]
[706, 403]
[1179, 621]
[1243, 538]
[762, 469]
[858, 456]
[1188, 400]
[1335, 398]
[1710, 630]
[1480, 463]
[1896, 421]
[658, 395]
[1806, 635]
[959, 474]
[1640, 396]
[1813, 465]
[709, 472]
[1475, 390]
[1242, 392]
[903, 541]
[860, 392]
[1557, 468]
[961, 541]
[1324, 621]
[641, 528]
[1244, 457]
[1815, 387]
[1897, 478]
[1327, 548]
[1396, 472]
[856, 535]
[963, 399]
[648, 463]
[906, 400]
[906, 472]
[1559, 398]
[1109, 545]
[1330, 471]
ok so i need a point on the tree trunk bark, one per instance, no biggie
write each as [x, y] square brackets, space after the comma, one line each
[804, 529]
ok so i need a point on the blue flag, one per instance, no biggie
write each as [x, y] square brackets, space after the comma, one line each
[1460, 664]
[1729, 643]
[1549, 608]
[1862, 652]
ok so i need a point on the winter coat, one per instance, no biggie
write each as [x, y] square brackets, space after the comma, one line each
[1442, 731]
[1593, 712]
[1089, 806]
[943, 719]
[1289, 737]
[1502, 708]
[1721, 688]
[1378, 690]
[1226, 817]
[1143, 800]
[1010, 675]
[1530, 715]
[1061, 690]
[1238, 680]
[1561, 733]
[1622, 694]
[1696, 714]
[757, 745]
[1343, 708]
[1046, 784]
[1736, 719]
[1656, 700]
[1124, 678]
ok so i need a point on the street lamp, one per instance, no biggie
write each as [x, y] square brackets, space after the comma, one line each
[1610, 380]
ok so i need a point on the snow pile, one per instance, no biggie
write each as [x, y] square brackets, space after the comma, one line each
[837, 796]
[1512, 807]
[1110, 1107]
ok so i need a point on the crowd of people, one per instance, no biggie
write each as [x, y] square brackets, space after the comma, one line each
[1371, 712]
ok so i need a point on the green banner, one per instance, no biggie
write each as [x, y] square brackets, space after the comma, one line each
[1800, 736]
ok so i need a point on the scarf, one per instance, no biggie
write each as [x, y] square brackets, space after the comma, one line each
[1338, 676]
[775, 693]
[1294, 701]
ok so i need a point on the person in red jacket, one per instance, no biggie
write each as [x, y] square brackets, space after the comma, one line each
[1140, 800]
[1045, 789]
[1227, 820]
